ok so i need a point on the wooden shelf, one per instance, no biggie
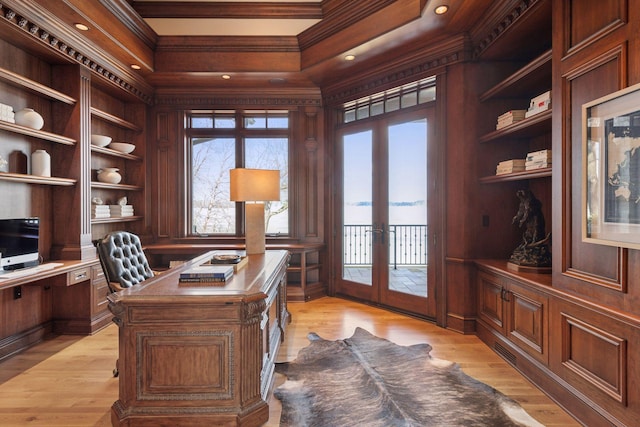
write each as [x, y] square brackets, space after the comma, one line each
[525, 82]
[114, 153]
[34, 179]
[123, 187]
[34, 87]
[114, 120]
[517, 176]
[534, 125]
[116, 219]
[23, 130]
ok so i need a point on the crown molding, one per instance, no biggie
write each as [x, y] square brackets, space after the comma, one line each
[64, 45]
[237, 98]
[227, 44]
[421, 64]
[229, 10]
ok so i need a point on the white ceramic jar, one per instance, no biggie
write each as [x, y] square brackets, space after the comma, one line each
[29, 118]
[40, 163]
[109, 175]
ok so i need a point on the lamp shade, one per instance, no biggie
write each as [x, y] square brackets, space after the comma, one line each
[254, 185]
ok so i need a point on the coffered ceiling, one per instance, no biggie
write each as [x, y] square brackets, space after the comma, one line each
[229, 17]
[296, 42]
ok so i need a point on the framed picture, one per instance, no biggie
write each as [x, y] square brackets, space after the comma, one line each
[611, 169]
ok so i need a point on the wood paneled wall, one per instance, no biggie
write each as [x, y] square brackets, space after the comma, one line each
[167, 171]
[595, 339]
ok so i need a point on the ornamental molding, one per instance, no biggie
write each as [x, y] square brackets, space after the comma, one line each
[64, 48]
[195, 100]
[406, 75]
[506, 20]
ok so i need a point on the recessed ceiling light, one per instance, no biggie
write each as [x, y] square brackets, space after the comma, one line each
[226, 76]
[441, 10]
[349, 57]
[135, 66]
[82, 27]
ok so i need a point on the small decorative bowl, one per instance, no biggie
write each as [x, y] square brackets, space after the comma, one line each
[100, 140]
[122, 147]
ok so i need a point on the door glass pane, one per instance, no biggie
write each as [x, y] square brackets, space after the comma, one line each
[407, 228]
[357, 207]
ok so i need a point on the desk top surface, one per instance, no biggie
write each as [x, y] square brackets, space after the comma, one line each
[251, 281]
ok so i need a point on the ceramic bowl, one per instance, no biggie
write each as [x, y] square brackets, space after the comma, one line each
[122, 147]
[100, 140]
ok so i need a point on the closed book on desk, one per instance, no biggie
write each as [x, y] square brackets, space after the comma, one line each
[208, 271]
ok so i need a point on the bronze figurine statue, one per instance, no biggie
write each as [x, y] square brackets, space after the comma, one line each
[534, 251]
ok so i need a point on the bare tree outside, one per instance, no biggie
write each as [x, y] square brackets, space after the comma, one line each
[213, 212]
[213, 157]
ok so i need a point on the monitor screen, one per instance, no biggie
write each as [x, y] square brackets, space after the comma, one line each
[19, 242]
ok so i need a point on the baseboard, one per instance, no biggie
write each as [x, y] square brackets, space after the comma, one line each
[464, 325]
[567, 397]
[18, 342]
[82, 326]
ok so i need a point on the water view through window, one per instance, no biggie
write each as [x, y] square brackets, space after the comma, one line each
[402, 226]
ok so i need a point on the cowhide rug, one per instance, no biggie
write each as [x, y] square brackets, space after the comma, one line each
[369, 381]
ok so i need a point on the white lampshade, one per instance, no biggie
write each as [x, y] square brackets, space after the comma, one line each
[254, 185]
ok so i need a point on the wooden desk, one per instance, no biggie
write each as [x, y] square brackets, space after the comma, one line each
[200, 355]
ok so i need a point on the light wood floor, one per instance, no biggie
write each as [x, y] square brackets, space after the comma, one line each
[66, 381]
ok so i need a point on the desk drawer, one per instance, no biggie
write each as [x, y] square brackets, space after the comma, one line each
[78, 275]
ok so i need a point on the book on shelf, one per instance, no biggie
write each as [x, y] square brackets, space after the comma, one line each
[211, 272]
[121, 210]
[502, 171]
[512, 114]
[539, 104]
[510, 166]
[100, 211]
[540, 100]
[533, 165]
[546, 153]
[510, 117]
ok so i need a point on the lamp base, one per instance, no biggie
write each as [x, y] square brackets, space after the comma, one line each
[254, 228]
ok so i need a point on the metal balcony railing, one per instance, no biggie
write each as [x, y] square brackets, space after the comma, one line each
[407, 244]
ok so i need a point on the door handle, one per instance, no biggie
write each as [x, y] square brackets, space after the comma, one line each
[375, 230]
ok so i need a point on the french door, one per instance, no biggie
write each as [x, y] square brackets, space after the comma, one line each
[384, 238]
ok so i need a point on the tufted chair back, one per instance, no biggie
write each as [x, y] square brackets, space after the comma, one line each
[122, 259]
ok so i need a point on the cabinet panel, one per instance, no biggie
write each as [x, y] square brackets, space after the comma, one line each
[516, 311]
[598, 355]
[490, 302]
[528, 322]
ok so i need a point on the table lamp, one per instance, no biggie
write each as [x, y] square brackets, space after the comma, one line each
[256, 186]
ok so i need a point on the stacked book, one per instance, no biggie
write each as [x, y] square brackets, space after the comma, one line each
[539, 104]
[538, 160]
[121, 210]
[213, 274]
[7, 114]
[100, 211]
[510, 166]
[509, 118]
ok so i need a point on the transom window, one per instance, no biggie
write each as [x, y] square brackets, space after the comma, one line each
[398, 98]
[220, 140]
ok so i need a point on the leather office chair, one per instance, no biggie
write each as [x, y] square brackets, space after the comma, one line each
[123, 262]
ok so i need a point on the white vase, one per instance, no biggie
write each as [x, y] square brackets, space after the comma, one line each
[29, 118]
[109, 175]
[40, 163]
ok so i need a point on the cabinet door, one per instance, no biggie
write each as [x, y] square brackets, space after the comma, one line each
[527, 321]
[490, 302]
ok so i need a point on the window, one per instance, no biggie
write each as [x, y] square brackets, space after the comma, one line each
[221, 140]
[394, 99]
